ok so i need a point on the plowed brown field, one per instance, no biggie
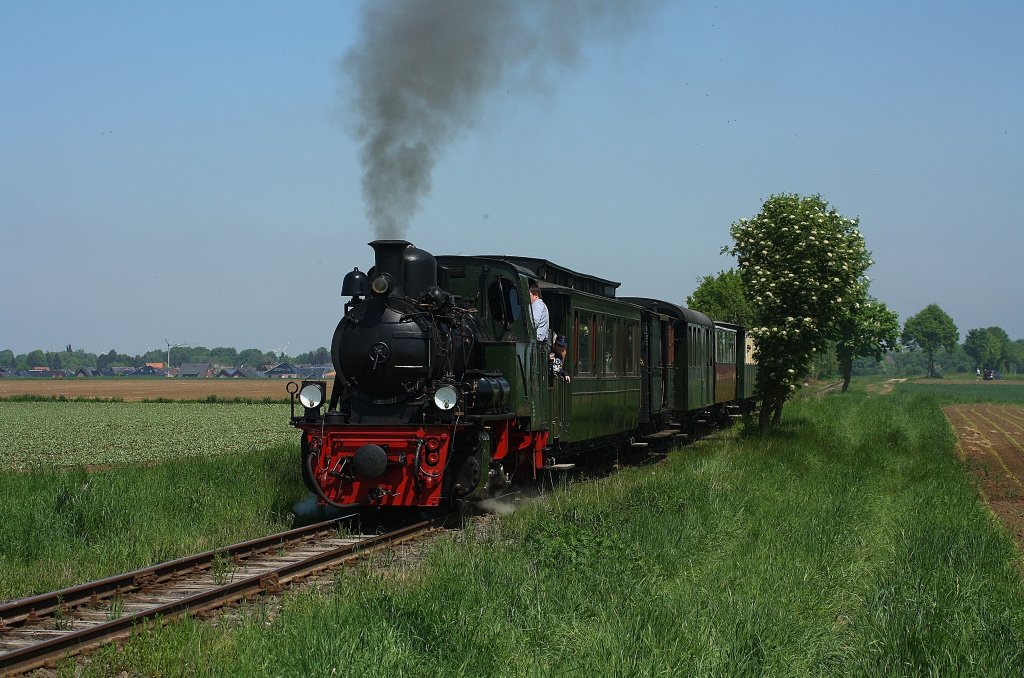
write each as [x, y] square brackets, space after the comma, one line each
[147, 389]
[992, 444]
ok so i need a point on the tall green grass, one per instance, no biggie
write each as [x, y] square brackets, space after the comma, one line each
[61, 528]
[850, 543]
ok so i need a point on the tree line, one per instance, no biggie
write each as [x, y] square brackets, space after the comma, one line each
[74, 359]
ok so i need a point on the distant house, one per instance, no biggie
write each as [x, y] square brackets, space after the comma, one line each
[146, 371]
[87, 372]
[40, 373]
[195, 371]
[285, 371]
[159, 366]
[239, 373]
[316, 371]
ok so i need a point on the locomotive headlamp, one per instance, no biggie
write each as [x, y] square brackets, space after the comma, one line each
[381, 284]
[445, 398]
[312, 395]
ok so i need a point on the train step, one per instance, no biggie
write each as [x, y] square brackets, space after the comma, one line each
[559, 467]
[638, 444]
[666, 433]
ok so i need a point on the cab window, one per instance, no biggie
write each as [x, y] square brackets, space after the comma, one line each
[503, 300]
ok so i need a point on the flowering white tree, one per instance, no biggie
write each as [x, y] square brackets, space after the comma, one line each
[799, 259]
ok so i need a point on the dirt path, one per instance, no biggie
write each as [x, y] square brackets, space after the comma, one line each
[887, 387]
[992, 445]
[129, 389]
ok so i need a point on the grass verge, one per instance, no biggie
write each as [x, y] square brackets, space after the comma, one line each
[850, 543]
[64, 527]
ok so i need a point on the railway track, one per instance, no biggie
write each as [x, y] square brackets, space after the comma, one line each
[39, 630]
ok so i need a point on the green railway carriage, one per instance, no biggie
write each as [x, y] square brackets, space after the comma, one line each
[681, 359]
[726, 372]
[697, 344]
[602, 399]
[739, 347]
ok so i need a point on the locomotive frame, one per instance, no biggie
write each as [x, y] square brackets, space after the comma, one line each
[442, 392]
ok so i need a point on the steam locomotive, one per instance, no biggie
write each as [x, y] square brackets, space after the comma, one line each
[442, 392]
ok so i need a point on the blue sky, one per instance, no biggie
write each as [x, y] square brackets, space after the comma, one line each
[184, 171]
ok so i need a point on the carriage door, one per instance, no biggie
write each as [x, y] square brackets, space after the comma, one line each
[645, 368]
[657, 354]
[565, 323]
[708, 380]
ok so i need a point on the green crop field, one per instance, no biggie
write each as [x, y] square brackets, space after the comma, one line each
[54, 434]
[90, 489]
[968, 391]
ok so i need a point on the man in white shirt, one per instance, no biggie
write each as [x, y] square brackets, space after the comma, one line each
[539, 310]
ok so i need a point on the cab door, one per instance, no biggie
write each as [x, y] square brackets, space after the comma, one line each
[560, 399]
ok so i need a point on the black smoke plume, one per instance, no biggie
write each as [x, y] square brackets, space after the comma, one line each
[422, 70]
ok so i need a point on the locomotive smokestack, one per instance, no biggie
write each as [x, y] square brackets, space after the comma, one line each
[388, 259]
[423, 69]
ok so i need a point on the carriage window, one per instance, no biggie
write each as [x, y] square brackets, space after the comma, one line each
[725, 348]
[671, 344]
[630, 346]
[584, 341]
[608, 361]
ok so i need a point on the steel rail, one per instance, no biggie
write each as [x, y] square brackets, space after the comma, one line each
[37, 655]
[44, 604]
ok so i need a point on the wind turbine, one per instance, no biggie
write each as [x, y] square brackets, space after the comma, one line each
[169, 347]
